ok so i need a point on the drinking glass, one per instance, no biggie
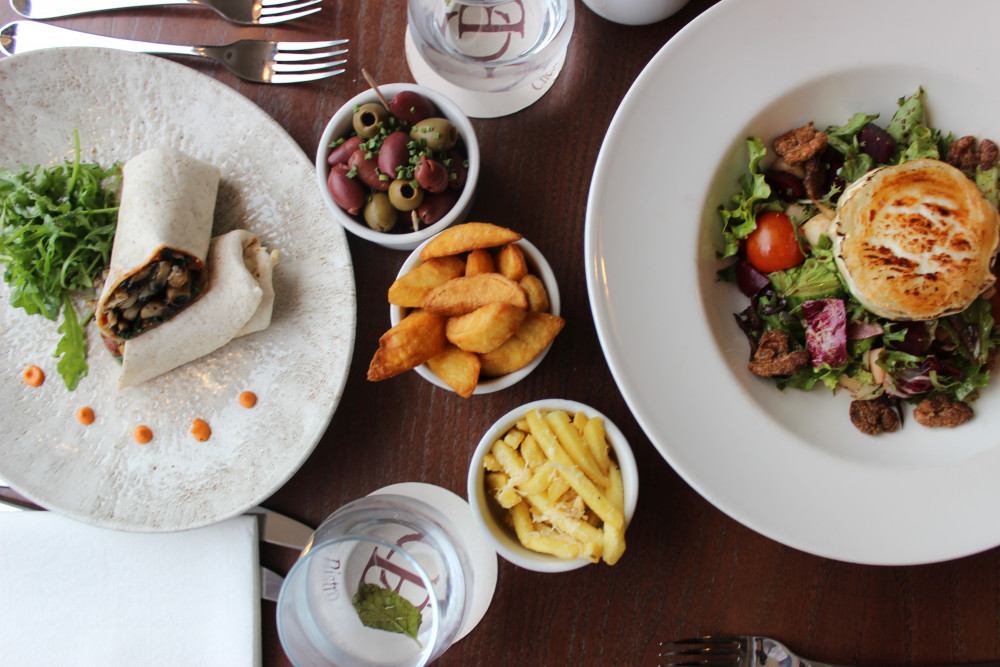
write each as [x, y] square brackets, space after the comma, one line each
[493, 46]
[396, 546]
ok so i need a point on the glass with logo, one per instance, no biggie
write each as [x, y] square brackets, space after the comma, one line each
[385, 580]
[512, 47]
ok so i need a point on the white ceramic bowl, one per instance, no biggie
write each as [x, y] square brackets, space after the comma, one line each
[538, 265]
[340, 125]
[488, 514]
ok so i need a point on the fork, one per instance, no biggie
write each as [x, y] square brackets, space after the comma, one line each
[250, 12]
[250, 59]
[742, 650]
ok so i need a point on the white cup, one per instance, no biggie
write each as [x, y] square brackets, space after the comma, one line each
[635, 12]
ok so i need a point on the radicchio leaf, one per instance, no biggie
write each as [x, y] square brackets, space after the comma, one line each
[826, 331]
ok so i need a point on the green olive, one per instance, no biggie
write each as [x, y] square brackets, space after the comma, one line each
[438, 133]
[367, 118]
[380, 214]
[405, 195]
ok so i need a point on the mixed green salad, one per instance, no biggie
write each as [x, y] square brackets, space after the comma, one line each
[57, 226]
[795, 289]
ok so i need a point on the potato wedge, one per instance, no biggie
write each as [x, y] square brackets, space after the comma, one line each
[418, 337]
[457, 368]
[510, 262]
[538, 296]
[409, 289]
[534, 335]
[466, 237]
[465, 294]
[484, 329]
[479, 261]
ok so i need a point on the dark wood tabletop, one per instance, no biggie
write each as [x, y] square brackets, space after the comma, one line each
[688, 569]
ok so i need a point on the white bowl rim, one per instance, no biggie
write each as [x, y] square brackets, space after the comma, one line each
[536, 260]
[447, 108]
[509, 549]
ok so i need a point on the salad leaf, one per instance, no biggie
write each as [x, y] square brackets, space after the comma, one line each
[741, 219]
[385, 609]
[844, 139]
[57, 226]
[813, 279]
[910, 130]
[987, 182]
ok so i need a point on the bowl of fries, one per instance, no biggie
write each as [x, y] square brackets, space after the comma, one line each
[436, 211]
[554, 484]
[473, 310]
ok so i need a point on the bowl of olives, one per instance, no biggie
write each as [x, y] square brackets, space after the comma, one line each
[397, 164]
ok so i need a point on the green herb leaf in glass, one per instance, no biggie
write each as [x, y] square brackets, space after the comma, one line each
[384, 609]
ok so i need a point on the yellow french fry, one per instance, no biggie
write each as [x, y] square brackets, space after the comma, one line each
[597, 441]
[499, 485]
[514, 437]
[511, 462]
[532, 537]
[577, 480]
[580, 421]
[490, 463]
[614, 538]
[541, 478]
[557, 488]
[532, 453]
[576, 447]
[575, 528]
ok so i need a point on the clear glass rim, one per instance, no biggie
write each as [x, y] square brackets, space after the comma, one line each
[314, 549]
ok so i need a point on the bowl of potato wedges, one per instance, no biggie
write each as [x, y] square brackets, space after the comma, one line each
[553, 485]
[473, 310]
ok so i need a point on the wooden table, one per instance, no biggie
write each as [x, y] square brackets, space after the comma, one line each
[689, 569]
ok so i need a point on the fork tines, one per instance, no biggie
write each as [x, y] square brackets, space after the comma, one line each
[306, 61]
[700, 651]
[278, 11]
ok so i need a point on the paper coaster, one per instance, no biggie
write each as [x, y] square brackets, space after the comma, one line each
[482, 555]
[474, 103]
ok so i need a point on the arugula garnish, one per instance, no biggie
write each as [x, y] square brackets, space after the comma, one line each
[57, 226]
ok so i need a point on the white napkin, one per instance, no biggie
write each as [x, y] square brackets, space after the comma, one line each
[74, 594]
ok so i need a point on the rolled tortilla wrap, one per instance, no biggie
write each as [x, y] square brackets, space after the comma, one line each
[237, 300]
[164, 228]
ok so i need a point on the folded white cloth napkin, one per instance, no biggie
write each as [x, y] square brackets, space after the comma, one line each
[74, 594]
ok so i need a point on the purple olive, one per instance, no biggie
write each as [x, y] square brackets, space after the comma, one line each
[346, 192]
[339, 154]
[877, 142]
[394, 153]
[458, 169]
[367, 170]
[431, 175]
[410, 106]
[436, 206]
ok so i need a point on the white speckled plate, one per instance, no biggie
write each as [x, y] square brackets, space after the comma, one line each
[121, 104]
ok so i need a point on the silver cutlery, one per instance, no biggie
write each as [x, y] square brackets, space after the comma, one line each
[251, 59]
[250, 12]
[743, 650]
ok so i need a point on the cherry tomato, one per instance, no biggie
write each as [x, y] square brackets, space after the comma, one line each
[773, 246]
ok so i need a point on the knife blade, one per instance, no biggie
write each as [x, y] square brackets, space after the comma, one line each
[279, 529]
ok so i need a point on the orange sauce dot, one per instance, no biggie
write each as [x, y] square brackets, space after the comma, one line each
[248, 399]
[142, 434]
[85, 416]
[33, 376]
[201, 430]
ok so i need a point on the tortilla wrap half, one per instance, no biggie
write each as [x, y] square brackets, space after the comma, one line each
[164, 228]
[237, 300]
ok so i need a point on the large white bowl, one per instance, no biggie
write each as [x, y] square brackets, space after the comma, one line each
[488, 514]
[538, 265]
[788, 464]
[340, 125]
